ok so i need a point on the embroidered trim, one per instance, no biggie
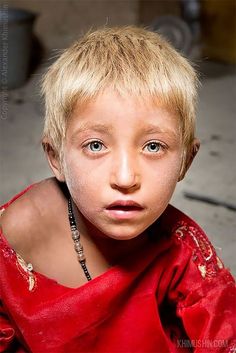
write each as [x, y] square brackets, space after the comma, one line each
[232, 347]
[27, 271]
[204, 255]
[6, 250]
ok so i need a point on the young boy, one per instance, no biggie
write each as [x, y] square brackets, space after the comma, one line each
[94, 259]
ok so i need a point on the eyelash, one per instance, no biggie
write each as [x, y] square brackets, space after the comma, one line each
[161, 146]
[86, 146]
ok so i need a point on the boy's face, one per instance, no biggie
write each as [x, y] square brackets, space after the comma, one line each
[122, 159]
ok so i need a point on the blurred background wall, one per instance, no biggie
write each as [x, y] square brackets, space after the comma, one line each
[61, 22]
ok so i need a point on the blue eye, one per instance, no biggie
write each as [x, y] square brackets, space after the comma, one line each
[95, 146]
[153, 147]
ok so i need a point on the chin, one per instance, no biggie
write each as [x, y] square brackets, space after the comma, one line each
[122, 237]
[123, 234]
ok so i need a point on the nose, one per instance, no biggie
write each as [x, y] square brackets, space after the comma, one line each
[125, 174]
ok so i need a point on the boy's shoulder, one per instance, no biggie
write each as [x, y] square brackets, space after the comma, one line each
[25, 220]
[190, 236]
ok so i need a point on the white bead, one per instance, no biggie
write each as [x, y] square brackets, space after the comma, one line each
[81, 257]
[78, 247]
[29, 267]
[75, 235]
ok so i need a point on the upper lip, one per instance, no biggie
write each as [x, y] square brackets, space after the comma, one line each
[125, 203]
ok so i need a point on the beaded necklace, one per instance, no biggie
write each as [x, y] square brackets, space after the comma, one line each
[76, 239]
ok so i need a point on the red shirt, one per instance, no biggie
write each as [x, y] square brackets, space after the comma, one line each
[173, 296]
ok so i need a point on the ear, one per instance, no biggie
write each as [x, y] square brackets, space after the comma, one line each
[191, 153]
[53, 160]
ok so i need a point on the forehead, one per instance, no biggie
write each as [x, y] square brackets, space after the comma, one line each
[113, 112]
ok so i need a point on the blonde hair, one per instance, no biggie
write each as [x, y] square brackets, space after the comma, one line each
[130, 60]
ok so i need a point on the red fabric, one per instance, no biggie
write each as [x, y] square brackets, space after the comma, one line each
[172, 294]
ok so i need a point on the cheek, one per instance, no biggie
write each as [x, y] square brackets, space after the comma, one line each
[79, 180]
[168, 170]
[162, 179]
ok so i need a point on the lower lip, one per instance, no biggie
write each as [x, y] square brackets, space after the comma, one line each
[121, 214]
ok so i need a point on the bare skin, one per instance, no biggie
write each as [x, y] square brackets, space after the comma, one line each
[41, 235]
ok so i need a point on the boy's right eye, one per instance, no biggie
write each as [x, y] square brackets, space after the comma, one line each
[94, 146]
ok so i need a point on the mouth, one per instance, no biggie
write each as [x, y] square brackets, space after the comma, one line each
[124, 209]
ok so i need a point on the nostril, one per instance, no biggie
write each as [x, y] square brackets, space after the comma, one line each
[125, 184]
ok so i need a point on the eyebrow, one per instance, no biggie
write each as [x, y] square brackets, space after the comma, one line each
[153, 129]
[103, 128]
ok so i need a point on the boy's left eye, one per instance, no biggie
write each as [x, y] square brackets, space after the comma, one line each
[153, 147]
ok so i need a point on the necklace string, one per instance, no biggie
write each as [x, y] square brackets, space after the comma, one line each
[76, 239]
